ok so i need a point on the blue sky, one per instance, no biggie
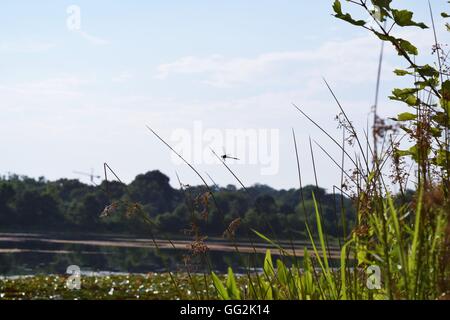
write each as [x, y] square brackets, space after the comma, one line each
[73, 100]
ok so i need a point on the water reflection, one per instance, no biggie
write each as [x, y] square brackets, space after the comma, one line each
[44, 254]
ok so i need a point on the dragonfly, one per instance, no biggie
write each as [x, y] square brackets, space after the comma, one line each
[225, 156]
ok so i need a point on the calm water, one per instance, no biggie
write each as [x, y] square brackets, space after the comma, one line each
[27, 254]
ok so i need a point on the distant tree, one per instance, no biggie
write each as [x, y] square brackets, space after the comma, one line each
[310, 189]
[153, 188]
[114, 190]
[66, 188]
[7, 194]
[86, 213]
[265, 205]
[56, 205]
[37, 210]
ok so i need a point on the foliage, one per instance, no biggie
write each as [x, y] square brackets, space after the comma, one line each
[41, 205]
[407, 250]
[427, 124]
[153, 286]
[408, 238]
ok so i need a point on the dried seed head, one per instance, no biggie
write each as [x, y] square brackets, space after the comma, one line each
[202, 201]
[199, 247]
[230, 232]
[109, 210]
[133, 209]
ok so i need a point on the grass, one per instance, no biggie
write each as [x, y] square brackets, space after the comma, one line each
[401, 244]
[409, 261]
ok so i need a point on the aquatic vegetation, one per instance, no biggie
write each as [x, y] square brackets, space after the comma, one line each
[152, 286]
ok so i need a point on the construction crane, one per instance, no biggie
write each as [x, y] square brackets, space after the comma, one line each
[91, 175]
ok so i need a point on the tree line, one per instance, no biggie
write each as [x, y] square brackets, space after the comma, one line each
[150, 203]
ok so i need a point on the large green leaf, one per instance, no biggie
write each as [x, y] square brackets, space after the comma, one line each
[406, 116]
[382, 4]
[268, 265]
[404, 18]
[401, 72]
[442, 157]
[384, 7]
[220, 288]
[407, 95]
[232, 289]
[427, 71]
[337, 7]
[445, 91]
[282, 272]
[399, 43]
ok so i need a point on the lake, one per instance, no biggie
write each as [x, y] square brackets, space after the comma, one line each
[35, 253]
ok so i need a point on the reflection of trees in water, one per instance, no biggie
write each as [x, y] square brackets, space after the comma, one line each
[7, 262]
[115, 259]
[133, 260]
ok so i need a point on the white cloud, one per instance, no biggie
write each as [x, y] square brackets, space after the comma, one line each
[61, 87]
[347, 61]
[347, 58]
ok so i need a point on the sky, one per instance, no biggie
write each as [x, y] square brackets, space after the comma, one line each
[81, 80]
